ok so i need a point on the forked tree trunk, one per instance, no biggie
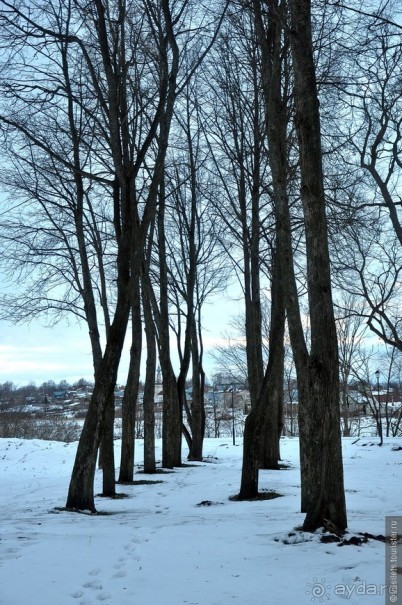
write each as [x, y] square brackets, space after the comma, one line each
[256, 428]
[252, 253]
[320, 435]
[149, 387]
[270, 454]
[197, 414]
[270, 451]
[172, 419]
[317, 373]
[172, 409]
[130, 230]
[81, 489]
[275, 81]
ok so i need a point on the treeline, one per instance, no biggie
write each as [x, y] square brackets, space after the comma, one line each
[10, 392]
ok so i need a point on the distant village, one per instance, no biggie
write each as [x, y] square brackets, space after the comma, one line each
[364, 409]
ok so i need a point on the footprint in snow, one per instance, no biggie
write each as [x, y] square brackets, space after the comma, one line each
[93, 585]
[120, 574]
[103, 596]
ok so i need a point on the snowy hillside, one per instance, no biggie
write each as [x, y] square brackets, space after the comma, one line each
[181, 541]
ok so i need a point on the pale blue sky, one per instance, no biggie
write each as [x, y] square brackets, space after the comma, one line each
[34, 353]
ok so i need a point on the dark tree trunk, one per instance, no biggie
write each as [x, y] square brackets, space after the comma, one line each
[275, 79]
[320, 418]
[256, 428]
[252, 445]
[190, 232]
[252, 257]
[129, 404]
[270, 454]
[149, 387]
[172, 419]
[251, 264]
[252, 293]
[81, 489]
[172, 409]
[263, 424]
[106, 453]
[197, 403]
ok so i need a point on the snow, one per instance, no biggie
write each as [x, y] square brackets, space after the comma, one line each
[160, 546]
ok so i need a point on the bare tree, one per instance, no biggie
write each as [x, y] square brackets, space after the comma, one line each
[195, 264]
[350, 328]
[96, 37]
[368, 89]
[318, 372]
[149, 387]
[126, 65]
[60, 236]
[129, 404]
[235, 132]
[323, 497]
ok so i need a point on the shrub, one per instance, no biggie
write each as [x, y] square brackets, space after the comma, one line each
[26, 426]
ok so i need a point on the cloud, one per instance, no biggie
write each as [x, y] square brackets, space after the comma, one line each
[33, 353]
[37, 353]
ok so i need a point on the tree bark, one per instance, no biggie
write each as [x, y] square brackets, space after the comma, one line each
[106, 452]
[197, 403]
[273, 422]
[149, 387]
[172, 409]
[129, 404]
[251, 236]
[252, 257]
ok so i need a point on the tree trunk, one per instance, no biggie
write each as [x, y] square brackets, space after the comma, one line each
[172, 409]
[81, 489]
[270, 454]
[131, 223]
[149, 387]
[129, 404]
[320, 436]
[317, 373]
[106, 453]
[274, 82]
[252, 255]
[251, 455]
[197, 403]
[263, 419]
[172, 419]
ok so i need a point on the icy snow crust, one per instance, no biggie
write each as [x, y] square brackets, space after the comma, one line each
[182, 541]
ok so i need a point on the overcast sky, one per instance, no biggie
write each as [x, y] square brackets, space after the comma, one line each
[34, 353]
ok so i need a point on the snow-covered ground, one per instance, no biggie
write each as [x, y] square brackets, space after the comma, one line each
[159, 546]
